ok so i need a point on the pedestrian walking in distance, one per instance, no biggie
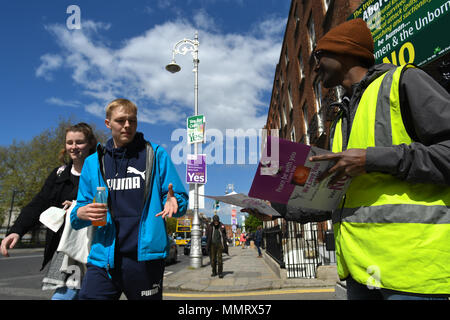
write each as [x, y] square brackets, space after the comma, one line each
[242, 240]
[258, 240]
[216, 242]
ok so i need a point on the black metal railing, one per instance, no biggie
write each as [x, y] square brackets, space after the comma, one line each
[299, 248]
[272, 241]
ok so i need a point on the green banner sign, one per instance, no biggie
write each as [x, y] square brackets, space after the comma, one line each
[407, 31]
[196, 129]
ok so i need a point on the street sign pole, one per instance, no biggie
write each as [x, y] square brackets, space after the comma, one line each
[196, 233]
[182, 47]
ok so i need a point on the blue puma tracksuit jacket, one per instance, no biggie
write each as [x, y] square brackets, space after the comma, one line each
[152, 241]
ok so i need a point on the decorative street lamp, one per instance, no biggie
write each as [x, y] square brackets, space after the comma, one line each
[182, 47]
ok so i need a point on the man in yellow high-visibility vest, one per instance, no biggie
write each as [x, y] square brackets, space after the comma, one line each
[392, 136]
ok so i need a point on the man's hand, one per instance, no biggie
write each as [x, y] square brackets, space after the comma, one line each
[93, 212]
[350, 162]
[9, 243]
[171, 206]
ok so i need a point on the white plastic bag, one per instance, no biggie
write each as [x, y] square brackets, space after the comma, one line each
[75, 243]
[53, 218]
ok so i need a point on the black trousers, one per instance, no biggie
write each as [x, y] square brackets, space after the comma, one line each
[139, 280]
[215, 255]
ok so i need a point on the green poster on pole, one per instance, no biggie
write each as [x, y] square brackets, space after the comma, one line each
[196, 129]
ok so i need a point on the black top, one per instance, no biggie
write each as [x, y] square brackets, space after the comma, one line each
[59, 186]
[125, 176]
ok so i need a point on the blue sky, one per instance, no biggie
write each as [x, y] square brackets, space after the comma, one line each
[50, 71]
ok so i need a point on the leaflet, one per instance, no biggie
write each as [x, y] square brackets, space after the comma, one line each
[244, 201]
[287, 176]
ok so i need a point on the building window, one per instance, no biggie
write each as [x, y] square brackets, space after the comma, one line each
[305, 123]
[283, 114]
[326, 4]
[296, 21]
[339, 93]
[318, 95]
[296, 18]
[291, 106]
[300, 65]
[286, 59]
[291, 116]
[293, 134]
[312, 33]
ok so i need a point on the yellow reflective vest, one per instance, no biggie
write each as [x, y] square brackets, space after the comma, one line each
[390, 233]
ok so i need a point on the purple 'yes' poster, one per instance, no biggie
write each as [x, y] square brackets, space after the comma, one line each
[196, 168]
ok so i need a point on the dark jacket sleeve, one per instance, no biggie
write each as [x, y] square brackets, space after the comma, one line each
[29, 215]
[426, 113]
[208, 237]
[224, 239]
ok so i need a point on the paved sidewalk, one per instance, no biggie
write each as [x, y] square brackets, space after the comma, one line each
[243, 271]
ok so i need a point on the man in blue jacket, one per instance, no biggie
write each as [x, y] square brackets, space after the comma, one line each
[127, 254]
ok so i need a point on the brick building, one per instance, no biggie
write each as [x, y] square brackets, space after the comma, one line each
[298, 106]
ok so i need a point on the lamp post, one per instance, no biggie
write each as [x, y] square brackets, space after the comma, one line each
[182, 47]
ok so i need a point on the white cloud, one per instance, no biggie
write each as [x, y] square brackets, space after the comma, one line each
[49, 63]
[63, 103]
[93, 108]
[96, 110]
[203, 21]
[162, 4]
[235, 70]
[270, 27]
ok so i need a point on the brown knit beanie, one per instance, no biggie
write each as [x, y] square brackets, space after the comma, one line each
[352, 37]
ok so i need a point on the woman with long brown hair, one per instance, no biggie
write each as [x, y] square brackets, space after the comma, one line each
[59, 190]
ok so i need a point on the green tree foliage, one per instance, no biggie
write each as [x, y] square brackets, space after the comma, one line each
[24, 166]
[251, 223]
[171, 225]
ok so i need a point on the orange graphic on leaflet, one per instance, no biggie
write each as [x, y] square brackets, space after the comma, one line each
[300, 175]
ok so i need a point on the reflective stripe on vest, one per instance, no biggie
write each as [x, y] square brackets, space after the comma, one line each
[399, 229]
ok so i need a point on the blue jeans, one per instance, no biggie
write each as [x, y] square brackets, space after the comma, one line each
[358, 291]
[65, 293]
[258, 246]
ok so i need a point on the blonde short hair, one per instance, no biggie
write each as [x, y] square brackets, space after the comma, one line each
[124, 103]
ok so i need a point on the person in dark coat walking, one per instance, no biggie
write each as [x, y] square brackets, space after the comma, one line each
[216, 243]
[258, 240]
[59, 189]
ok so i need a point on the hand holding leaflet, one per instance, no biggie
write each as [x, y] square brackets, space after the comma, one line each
[290, 178]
